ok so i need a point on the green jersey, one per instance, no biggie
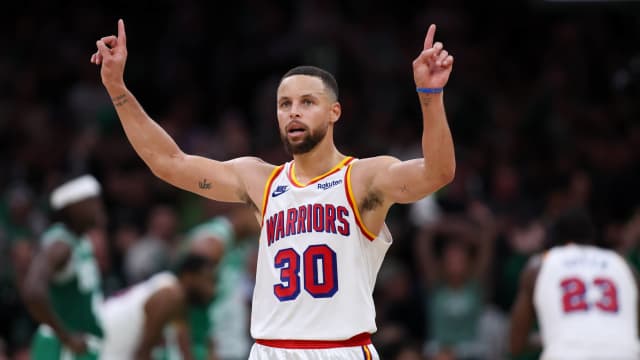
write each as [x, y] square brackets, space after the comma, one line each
[227, 315]
[455, 314]
[75, 290]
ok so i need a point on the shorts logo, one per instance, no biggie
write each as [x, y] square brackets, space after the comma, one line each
[329, 184]
[280, 189]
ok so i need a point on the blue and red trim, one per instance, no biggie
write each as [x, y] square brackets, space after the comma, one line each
[366, 352]
[292, 173]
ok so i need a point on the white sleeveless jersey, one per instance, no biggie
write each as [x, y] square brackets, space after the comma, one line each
[586, 301]
[317, 263]
[123, 317]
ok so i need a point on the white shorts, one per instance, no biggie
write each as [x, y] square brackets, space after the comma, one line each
[122, 327]
[364, 352]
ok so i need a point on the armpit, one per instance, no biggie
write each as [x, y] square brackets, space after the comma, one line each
[372, 201]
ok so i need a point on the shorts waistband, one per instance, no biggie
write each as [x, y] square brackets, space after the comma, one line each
[358, 340]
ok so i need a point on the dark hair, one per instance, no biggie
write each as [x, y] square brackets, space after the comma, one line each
[575, 226]
[192, 263]
[327, 79]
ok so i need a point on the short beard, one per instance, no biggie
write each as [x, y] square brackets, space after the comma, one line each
[310, 140]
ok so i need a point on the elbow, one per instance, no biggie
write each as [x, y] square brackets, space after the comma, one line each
[449, 173]
[32, 294]
[164, 167]
[446, 174]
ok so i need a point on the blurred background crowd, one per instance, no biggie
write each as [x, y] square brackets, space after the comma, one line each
[543, 102]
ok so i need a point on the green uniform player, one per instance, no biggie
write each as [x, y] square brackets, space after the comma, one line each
[62, 288]
[223, 324]
[228, 314]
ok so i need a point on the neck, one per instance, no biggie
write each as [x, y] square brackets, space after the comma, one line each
[317, 161]
[77, 230]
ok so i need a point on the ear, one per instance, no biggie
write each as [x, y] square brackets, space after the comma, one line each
[336, 111]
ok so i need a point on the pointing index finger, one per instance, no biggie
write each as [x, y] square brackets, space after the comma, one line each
[122, 37]
[428, 41]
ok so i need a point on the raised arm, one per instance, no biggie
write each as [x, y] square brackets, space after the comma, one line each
[408, 181]
[484, 237]
[238, 180]
[426, 261]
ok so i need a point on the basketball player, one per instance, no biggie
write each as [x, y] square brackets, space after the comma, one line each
[585, 298]
[134, 320]
[225, 239]
[62, 287]
[323, 236]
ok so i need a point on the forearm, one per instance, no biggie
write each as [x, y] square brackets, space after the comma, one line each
[38, 304]
[184, 341]
[437, 143]
[151, 337]
[143, 353]
[524, 343]
[149, 140]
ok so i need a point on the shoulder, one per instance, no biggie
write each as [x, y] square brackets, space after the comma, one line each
[375, 162]
[251, 163]
[367, 168]
[167, 297]
[253, 170]
[254, 173]
[57, 233]
[627, 264]
[56, 254]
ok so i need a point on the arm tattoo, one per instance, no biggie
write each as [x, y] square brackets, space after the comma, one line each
[120, 100]
[204, 185]
[425, 99]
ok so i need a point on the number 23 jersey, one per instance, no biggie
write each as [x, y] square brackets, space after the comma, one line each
[586, 301]
[317, 263]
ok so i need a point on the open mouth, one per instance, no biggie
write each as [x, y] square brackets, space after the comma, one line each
[295, 129]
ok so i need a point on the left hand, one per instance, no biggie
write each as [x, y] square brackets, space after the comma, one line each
[431, 69]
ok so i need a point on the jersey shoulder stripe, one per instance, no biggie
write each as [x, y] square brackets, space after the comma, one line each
[354, 206]
[267, 187]
[366, 352]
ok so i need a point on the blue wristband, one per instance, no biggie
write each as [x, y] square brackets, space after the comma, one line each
[429, 90]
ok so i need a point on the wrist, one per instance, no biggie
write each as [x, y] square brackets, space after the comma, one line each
[115, 88]
[429, 90]
[143, 353]
[63, 335]
[427, 99]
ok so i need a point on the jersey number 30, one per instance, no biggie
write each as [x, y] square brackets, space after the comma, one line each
[320, 273]
[574, 295]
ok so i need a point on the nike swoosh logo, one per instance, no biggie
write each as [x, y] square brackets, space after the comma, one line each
[279, 191]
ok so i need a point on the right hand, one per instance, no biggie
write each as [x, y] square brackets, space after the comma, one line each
[112, 54]
[431, 69]
[77, 343]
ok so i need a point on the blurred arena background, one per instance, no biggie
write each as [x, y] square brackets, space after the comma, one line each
[543, 102]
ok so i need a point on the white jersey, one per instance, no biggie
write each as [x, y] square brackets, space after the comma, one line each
[586, 300]
[123, 317]
[317, 263]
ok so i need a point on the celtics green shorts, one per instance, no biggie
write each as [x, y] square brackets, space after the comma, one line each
[46, 346]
